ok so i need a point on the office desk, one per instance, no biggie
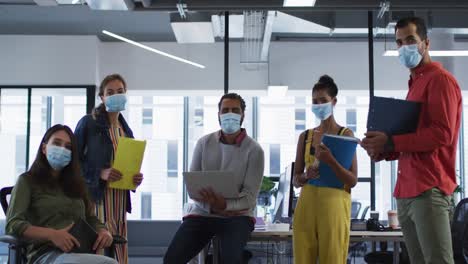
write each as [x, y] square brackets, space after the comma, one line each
[277, 233]
[392, 236]
[273, 233]
[285, 234]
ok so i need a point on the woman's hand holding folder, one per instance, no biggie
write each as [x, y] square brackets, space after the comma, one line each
[104, 240]
[63, 240]
[311, 173]
[323, 154]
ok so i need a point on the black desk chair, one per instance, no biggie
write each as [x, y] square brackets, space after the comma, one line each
[465, 244]
[460, 232]
[17, 246]
[355, 209]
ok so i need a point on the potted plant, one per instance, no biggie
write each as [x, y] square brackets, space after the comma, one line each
[267, 189]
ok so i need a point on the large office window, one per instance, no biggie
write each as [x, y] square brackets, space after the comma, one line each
[351, 119]
[158, 120]
[386, 171]
[464, 178]
[13, 132]
[54, 106]
[275, 159]
[277, 125]
[351, 111]
[300, 120]
[146, 205]
[172, 158]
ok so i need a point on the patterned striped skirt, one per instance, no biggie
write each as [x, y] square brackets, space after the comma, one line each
[112, 211]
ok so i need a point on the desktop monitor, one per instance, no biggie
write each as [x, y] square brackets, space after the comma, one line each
[285, 195]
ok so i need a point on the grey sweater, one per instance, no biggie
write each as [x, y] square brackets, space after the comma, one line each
[246, 162]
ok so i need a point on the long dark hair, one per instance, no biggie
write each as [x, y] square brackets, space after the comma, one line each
[101, 108]
[70, 179]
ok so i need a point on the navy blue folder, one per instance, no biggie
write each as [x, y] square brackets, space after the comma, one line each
[86, 235]
[343, 149]
[393, 116]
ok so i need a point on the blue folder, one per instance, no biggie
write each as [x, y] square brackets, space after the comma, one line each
[343, 149]
[393, 116]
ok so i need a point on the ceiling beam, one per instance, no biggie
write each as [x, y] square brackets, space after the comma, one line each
[321, 5]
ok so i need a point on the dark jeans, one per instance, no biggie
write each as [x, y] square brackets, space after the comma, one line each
[196, 232]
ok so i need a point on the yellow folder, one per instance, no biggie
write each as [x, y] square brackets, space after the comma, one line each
[128, 159]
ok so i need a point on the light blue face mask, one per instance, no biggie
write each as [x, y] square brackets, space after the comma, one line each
[409, 55]
[230, 123]
[116, 102]
[322, 111]
[58, 157]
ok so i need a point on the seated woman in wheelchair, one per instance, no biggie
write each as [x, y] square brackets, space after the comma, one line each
[49, 198]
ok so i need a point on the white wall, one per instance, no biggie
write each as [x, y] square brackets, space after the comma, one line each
[85, 60]
[47, 60]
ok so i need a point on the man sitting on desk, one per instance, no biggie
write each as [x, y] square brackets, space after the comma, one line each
[230, 220]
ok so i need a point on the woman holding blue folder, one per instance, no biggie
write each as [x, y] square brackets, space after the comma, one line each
[98, 135]
[322, 215]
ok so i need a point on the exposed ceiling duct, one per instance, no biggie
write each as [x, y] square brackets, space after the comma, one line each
[252, 43]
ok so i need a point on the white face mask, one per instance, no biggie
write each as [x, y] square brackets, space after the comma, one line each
[322, 111]
[58, 157]
[116, 102]
[230, 122]
[409, 55]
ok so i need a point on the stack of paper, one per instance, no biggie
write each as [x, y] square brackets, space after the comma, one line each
[260, 224]
[128, 160]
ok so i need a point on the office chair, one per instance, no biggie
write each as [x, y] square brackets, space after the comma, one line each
[355, 209]
[358, 248]
[465, 244]
[17, 246]
[364, 213]
[459, 232]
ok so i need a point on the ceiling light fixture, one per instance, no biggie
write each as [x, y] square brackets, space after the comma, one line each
[152, 49]
[292, 3]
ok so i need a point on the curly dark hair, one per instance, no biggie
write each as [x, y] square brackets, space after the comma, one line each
[235, 97]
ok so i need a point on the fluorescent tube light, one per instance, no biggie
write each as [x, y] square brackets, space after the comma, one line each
[152, 49]
[46, 2]
[434, 53]
[299, 3]
[123, 5]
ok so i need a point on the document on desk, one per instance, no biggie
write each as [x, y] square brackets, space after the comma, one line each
[393, 116]
[260, 224]
[128, 160]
